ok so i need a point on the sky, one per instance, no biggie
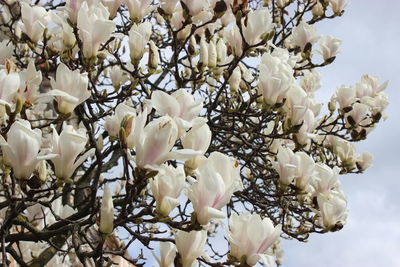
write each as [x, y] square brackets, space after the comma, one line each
[370, 31]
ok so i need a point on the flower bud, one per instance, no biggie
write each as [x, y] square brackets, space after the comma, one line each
[106, 213]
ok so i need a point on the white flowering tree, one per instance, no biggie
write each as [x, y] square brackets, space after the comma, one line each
[177, 132]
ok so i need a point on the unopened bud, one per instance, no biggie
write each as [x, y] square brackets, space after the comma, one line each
[106, 213]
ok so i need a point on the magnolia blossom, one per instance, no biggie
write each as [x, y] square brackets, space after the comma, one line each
[302, 34]
[218, 178]
[21, 150]
[190, 245]
[195, 6]
[154, 57]
[180, 105]
[9, 85]
[117, 76]
[154, 142]
[286, 165]
[139, 36]
[326, 178]
[345, 96]
[106, 212]
[235, 79]
[357, 114]
[370, 86]
[297, 105]
[169, 6]
[177, 21]
[94, 27]
[198, 139]
[112, 6]
[329, 47]
[275, 79]
[305, 170]
[365, 161]
[64, 33]
[124, 117]
[311, 81]
[307, 128]
[234, 39]
[30, 83]
[68, 146]
[138, 9]
[166, 188]
[256, 24]
[203, 52]
[167, 254]
[337, 6]
[318, 9]
[333, 209]
[73, 7]
[69, 88]
[35, 20]
[251, 236]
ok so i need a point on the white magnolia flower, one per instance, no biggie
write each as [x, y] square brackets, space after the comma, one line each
[218, 178]
[30, 83]
[69, 88]
[166, 188]
[138, 9]
[154, 57]
[68, 146]
[153, 142]
[73, 7]
[302, 34]
[106, 212]
[333, 209]
[34, 21]
[234, 39]
[180, 105]
[190, 246]
[326, 178]
[358, 114]
[329, 46]
[305, 170]
[275, 79]
[117, 76]
[21, 150]
[235, 79]
[94, 27]
[286, 165]
[198, 139]
[311, 81]
[139, 36]
[365, 161]
[345, 96]
[112, 6]
[256, 24]
[9, 85]
[251, 236]
[64, 33]
[297, 105]
[113, 124]
[169, 6]
[196, 6]
[337, 6]
[167, 254]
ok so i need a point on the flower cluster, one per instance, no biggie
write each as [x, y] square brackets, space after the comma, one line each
[172, 125]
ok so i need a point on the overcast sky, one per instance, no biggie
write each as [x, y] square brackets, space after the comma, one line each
[370, 31]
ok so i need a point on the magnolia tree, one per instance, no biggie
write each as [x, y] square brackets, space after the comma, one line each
[177, 132]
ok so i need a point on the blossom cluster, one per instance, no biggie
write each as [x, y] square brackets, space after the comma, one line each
[172, 124]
